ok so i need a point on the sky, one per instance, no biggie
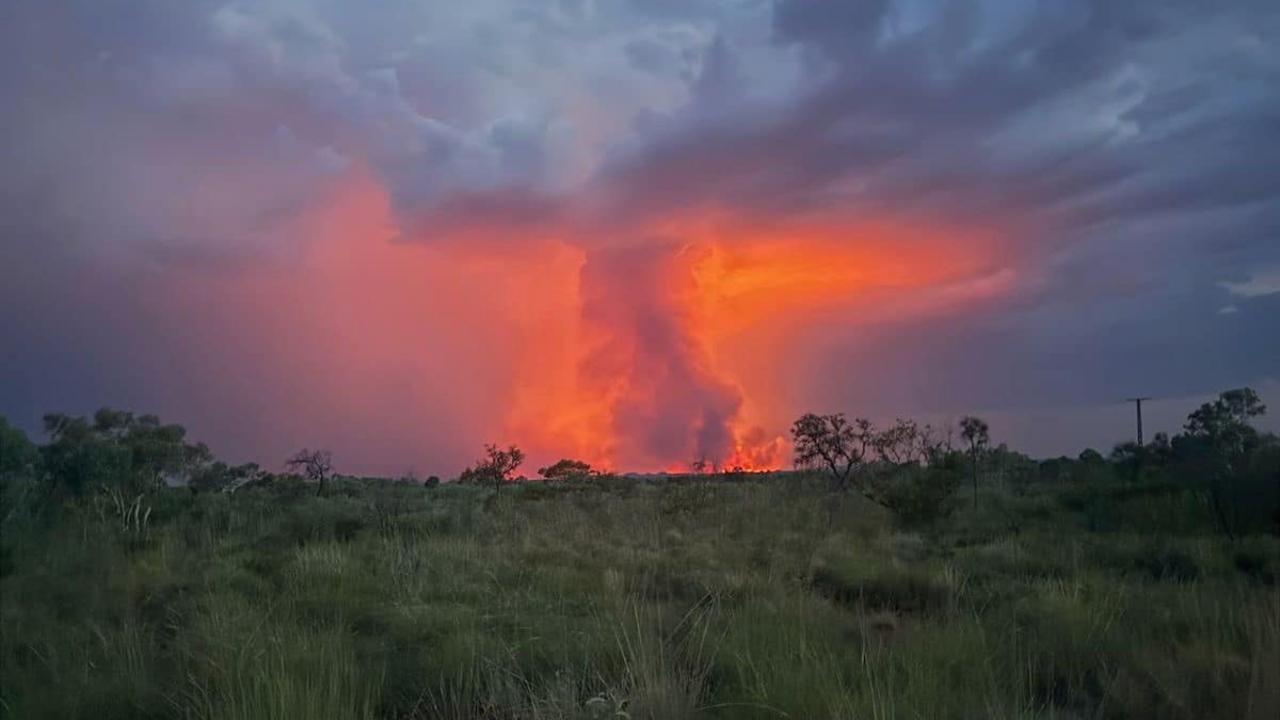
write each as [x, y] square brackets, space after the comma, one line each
[640, 233]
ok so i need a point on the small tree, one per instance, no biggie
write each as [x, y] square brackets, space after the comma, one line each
[906, 442]
[922, 495]
[566, 469]
[833, 443]
[907, 468]
[1222, 428]
[495, 468]
[977, 435]
[314, 465]
[916, 472]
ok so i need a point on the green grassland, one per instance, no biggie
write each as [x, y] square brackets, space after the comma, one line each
[740, 597]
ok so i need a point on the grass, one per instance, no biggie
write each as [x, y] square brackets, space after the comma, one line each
[638, 600]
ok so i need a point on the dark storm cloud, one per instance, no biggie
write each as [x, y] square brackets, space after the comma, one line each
[1103, 108]
[1135, 144]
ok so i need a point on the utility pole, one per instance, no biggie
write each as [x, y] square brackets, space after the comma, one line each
[1137, 401]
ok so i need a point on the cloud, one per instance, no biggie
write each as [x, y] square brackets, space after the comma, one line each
[1265, 282]
[1109, 171]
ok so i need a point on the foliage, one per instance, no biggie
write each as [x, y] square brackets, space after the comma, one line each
[907, 468]
[1089, 456]
[219, 476]
[921, 496]
[386, 601]
[1221, 441]
[625, 597]
[976, 435]
[566, 469]
[1226, 419]
[132, 516]
[18, 455]
[497, 467]
[833, 443]
[118, 449]
[314, 465]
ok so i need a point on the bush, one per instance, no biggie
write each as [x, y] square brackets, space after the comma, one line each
[920, 496]
[566, 469]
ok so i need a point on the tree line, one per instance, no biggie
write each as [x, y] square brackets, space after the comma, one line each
[916, 471]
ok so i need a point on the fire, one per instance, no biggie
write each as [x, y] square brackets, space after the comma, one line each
[675, 353]
[689, 342]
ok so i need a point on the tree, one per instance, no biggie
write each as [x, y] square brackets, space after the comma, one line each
[1089, 456]
[1226, 419]
[1221, 428]
[118, 449]
[921, 495]
[907, 468]
[566, 469]
[906, 442]
[314, 465]
[77, 458]
[916, 472]
[833, 443]
[495, 468]
[159, 452]
[977, 435]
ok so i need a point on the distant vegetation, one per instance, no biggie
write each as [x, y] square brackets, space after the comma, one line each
[901, 571]
[495, 469]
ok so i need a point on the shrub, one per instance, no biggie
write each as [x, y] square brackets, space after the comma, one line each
[566, 469]
[922, 496]
[496, 468]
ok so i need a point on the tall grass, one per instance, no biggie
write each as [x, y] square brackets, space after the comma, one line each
[743, 600]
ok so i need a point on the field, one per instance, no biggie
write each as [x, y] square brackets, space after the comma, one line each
[755, 597]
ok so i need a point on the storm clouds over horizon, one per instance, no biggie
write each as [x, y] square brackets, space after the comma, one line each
[636, 231]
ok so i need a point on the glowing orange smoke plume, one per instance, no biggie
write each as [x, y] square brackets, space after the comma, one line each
[674, 351]
[645, 355]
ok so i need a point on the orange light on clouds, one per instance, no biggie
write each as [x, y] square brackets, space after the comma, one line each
[646, 355]
[733, 300]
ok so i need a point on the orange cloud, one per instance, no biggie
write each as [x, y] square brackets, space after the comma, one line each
[640, 355]
[670, 352]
